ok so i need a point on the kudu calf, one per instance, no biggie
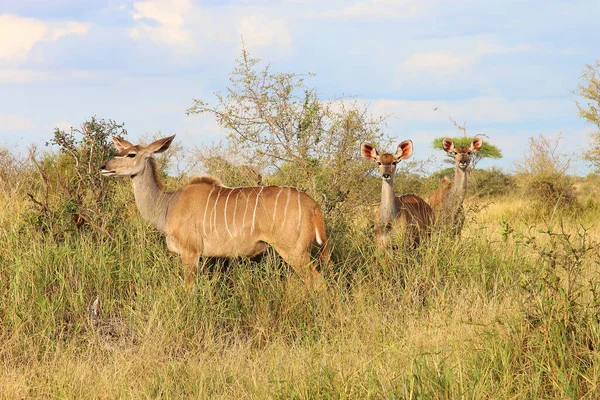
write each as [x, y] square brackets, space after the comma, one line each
[206, 218]
[447, 200]
[407, 214]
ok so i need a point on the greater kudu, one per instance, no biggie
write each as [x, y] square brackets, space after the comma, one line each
[447, 200]
[206, 218]
[407, 214]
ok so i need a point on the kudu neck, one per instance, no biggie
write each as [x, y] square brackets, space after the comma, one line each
[151, 200]
[460, 182]
[387, 209]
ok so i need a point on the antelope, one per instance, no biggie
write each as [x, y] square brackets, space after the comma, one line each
[447, 200]
[206, 218]
[408, 214]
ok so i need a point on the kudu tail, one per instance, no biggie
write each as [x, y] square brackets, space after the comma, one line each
[321, 238]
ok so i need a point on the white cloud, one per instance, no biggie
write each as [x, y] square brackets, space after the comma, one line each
[14, 122]
[62, 125]
[447, 62]
[439, 62]
[389, 9]
[376, 10]
[69, 28]
[479, 110]
[18, 35]
[20, 76]
[170, 18]
[12, 75]
[258, 33]
[183, 26]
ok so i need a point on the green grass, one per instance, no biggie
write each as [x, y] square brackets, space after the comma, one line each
[483, 317]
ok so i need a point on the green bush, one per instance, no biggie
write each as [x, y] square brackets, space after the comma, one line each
[70, 194]
[543, 176]
[490, 183]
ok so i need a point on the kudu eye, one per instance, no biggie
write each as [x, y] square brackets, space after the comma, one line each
[378, 162]
[468, 152]
[131, 155]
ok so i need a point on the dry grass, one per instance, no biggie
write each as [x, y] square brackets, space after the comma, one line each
[454, 324]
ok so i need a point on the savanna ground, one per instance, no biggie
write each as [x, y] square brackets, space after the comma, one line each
[510, 310]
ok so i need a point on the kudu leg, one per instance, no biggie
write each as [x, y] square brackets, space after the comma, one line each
[190, 261]
[302, 263]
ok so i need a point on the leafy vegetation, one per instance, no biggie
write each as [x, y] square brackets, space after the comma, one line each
[589, 91]
[281, 129]
[488, 150]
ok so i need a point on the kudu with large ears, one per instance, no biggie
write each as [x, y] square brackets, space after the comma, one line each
[447, 200]
[408, 214]
[206, 218]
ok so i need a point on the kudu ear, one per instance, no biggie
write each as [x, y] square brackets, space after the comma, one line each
[447, 144]
[160, 145]
[121, 144]
[476, 144]
[405, 150]
[368, 151]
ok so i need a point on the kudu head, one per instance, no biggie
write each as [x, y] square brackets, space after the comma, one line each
[387, 162]
[462, 154]
[131, 159]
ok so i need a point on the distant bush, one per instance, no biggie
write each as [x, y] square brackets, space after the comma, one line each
[490, 182]
[587, 187]
[543, 173]
[231, 174]
[12, 166]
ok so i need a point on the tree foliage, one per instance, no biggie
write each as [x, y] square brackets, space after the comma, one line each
[589, 109]
[488, 150]
[280, 127]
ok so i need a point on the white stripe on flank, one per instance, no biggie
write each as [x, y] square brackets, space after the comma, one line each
[255, 206]
[275, 210]
[225, 213]
[245, 210]
[286, 205]
[299, 211]
[237, 196]
[214, 211]
[206, 210]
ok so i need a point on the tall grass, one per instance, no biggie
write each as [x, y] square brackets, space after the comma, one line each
[508, 311]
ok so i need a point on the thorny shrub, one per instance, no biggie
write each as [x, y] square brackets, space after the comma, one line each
[70, 193]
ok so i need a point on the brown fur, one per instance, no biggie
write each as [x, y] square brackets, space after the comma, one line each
[437, 197]
[205, 179]
[233, 222]
[155, 172]
[414, 219]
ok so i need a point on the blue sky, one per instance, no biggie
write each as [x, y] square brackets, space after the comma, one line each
[508, 68]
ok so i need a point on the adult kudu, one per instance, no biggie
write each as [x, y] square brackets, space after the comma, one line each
[206, 218]
[447, 200]
[408, 214]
